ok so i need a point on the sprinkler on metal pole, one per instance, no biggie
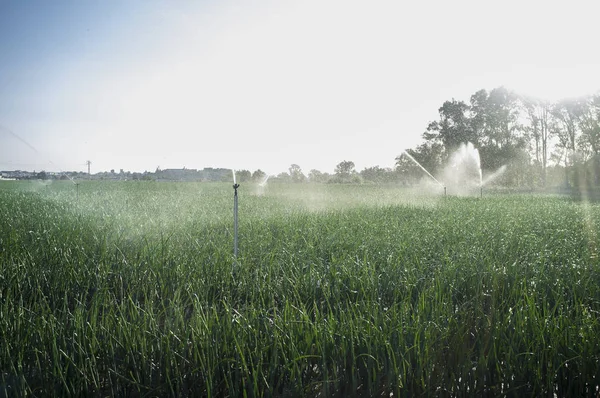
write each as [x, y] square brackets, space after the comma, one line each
[77, 185]
[235, 219]
[445, 191]
[481, 191]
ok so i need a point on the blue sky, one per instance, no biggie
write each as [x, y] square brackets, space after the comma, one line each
[264, 84]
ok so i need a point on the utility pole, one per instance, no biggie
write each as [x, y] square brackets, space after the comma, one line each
[89, 163]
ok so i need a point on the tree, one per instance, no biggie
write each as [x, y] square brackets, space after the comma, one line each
[316, 176]
[243, 175]
[524, 133]
[407, 168]
[589, 123]
[496, 122]
[541, 126]
[452, 129]
[429, 155]
[296, 174]
[258, 175]
[377, 174]
[283, 177]
[345, 173]
[345, 169]
[566, 112]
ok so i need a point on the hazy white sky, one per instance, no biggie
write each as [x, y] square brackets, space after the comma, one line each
[264, 84]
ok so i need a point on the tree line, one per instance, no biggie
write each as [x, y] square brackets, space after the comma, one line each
[541, 143]
[536, 139]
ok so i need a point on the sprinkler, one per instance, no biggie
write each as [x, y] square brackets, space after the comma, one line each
[235, 219]
[445, 191]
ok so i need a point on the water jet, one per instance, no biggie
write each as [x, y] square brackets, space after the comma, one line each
[425, 170]
[463, 171]
[263, 183]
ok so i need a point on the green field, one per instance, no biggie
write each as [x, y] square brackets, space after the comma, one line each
[131, 289]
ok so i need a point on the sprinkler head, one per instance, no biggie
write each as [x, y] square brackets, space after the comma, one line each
[236, 186]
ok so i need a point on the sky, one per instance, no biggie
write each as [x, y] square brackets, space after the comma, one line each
[137, 85]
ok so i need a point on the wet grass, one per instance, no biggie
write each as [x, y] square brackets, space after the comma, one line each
[131, 290]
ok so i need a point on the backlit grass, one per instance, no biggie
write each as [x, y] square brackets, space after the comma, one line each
[131, 289]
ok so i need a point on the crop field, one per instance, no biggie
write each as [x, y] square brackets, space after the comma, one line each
[131, 289]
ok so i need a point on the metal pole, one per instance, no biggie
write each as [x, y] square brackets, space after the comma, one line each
[235, 220]
[77, 185]
[445, 192]
[481, 191]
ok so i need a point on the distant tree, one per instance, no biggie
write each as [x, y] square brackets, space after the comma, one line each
[41, 175]
[541, 126]
[567, 114]
[589, 123]
[317, 176]
[314, 175]
[258, 175]
[345, 169]
[296, 174]
[282, 177]
[345, 173]
[243, 175]
[377, 174]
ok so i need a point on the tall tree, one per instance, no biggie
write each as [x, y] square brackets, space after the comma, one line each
[243, 175]
[296, 173]
[495, 119]
[566, 113]
[345, 169]
[345, 173]
[542, 125]
[258, 175]
[589, 123]
[317, 176]
[452, 129]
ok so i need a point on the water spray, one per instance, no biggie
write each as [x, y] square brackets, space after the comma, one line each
[235, 215]
[491, 177]
[263, 183]
[425, 170]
